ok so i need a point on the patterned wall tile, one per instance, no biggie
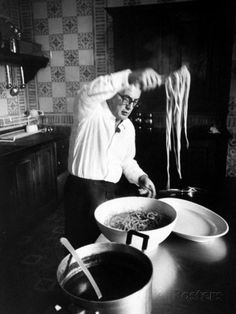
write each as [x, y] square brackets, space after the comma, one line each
[45, 89]
[87, 73]
[59, 89]
[71, 57]
[55, 25]
[85, 40]
[72, 73]
[46, 104]
[44, 75]
[69, 25]
[59, 104]
[69, 7]
[2, 74]
[41, 27]
[39, 9]
[85, 24]
[56, 42]
[86, 57]
[70, 104]
[72, 88]
[12, 106]
[3, 91]
[54, 8]
[70, 41]
[58, 74]
[84, 7]
[3, 107]
[57, 58]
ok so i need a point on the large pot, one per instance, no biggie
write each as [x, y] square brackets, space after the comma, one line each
[122, 272]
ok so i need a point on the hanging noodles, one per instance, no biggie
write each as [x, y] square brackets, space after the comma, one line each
[177, 86]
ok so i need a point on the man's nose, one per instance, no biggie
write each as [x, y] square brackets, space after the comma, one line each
[129, 106]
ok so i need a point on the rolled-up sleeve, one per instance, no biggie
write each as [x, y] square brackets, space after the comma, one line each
[99, 90]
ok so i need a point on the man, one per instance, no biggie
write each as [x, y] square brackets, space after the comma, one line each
[102, 147]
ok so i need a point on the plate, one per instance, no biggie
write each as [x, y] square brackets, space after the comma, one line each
[196, 222]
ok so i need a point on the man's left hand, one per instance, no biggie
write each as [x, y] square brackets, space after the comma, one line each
[147, 187]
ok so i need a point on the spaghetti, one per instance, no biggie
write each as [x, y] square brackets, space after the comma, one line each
[137, 220]
[177, 86]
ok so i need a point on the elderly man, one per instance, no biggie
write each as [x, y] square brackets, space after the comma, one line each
[102, 147]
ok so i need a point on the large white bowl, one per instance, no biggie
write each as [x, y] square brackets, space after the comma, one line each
[125, 204]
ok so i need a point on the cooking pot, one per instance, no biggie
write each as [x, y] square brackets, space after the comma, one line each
[122, 272]
[188, 193]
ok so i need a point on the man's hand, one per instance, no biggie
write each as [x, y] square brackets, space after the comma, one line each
[147, 187]
[146, 79]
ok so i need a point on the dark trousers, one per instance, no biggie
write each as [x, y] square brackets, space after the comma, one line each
[81, 198]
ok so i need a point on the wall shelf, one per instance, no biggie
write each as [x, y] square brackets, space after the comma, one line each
[30, 63]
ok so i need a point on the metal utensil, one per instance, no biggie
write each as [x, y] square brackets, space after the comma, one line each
[70, 248]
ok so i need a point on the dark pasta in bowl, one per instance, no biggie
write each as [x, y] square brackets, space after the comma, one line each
[138, 220]
[115, 218]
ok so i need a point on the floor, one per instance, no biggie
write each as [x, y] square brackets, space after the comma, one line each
[28, 266]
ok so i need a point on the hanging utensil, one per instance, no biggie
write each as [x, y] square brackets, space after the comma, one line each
[14, 91]
[8, 75]
[22, 85]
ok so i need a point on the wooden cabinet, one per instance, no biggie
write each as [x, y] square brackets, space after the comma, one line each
[62, 155]
[28, 188]
[203, 163]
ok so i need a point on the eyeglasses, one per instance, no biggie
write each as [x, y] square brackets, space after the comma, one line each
[127, 100]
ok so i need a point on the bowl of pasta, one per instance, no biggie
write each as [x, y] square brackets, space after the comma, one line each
[146, 216]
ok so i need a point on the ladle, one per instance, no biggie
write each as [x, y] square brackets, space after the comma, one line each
[70, 248]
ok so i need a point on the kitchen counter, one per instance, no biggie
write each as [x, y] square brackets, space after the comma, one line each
[33, 140]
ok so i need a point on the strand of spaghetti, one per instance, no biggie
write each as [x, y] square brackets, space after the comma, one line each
[177, 88]
[168, 128]
[185, 102]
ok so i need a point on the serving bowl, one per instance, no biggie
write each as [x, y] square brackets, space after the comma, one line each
[104, 212]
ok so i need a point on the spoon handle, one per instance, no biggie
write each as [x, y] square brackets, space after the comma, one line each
[70, 248]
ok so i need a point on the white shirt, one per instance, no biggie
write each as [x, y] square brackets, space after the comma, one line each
[96, 151]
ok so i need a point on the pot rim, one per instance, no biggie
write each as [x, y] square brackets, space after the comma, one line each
[120, 247]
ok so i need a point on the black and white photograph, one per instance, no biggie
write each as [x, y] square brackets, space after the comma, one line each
[117, 157]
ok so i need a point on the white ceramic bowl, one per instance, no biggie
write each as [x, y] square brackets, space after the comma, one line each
[105, 211]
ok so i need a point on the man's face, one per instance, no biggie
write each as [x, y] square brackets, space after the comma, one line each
[122, 105]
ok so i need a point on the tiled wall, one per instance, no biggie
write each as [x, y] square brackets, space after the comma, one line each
[64, 28]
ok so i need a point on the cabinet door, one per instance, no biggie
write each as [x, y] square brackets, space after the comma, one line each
[7, 200]
[45, 177]
[25, 186]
